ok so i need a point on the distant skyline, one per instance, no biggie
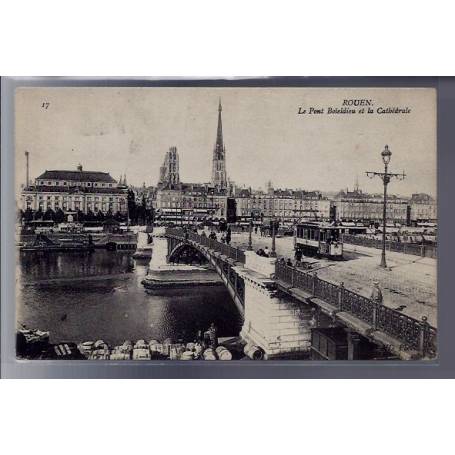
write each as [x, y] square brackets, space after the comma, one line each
[128, 130]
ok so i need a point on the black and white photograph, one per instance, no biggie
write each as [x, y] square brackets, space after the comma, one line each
[226, 224]
[227, 227]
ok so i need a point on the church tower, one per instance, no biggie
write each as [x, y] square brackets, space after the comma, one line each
[169, 171]
[219, 179]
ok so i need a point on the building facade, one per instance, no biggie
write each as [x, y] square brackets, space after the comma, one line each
[290, 206]
[72, 191]
[189, 201]
[358, 206]
[423, 208]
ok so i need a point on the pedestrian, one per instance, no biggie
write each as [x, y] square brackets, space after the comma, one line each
[213, 335]
[206, 338]
[289, 262]
[255, 229]
[198, 348]
[228, 236]
[266, 252]
[376, 293]
[298, 255]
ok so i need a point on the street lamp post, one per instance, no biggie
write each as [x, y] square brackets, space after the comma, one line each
[250, 234]
[385, 177]
[273, 252]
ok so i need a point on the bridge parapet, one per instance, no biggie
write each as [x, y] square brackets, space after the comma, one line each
[403, 334]
[231, 252]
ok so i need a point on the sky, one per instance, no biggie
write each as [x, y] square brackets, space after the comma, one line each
[128, 130]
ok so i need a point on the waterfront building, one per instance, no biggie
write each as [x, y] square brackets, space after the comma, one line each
[74, 190]
[287, 205]
[359, 206]
[190, 201]
[423, 208]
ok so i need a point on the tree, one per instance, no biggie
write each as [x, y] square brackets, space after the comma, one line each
[59, 216]
[49, 215]
[80, 216]
[141, 211]
[90, 216]
[132, 208]
[38, 214]
[119, 217]
[28, 215]
[150, 216]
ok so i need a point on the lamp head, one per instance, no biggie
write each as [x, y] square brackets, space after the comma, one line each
[386, 155]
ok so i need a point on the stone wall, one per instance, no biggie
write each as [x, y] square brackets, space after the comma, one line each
[273, 321]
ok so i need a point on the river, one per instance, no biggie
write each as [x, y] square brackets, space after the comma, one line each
[82, 296]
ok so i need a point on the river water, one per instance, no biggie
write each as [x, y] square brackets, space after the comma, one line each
[82, 296]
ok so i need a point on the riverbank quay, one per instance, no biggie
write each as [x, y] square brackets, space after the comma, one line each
[62, 241]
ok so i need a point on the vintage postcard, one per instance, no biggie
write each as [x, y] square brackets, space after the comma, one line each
[226, 223]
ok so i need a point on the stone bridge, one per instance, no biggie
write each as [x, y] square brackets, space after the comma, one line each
[281, 304]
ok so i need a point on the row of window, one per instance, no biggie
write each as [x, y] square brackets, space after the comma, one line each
[76, 206]
[58, 182]
[77, 198]
[284, 206]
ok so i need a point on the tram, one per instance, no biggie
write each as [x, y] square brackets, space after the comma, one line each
[319, 239]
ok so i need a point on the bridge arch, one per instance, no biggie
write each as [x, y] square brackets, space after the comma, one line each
[186, 253]
[222, 265]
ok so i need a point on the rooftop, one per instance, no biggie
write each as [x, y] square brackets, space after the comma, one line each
[78, 176]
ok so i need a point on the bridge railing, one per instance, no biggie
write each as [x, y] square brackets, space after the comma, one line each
[236, 254]
[414, 334]
[429, 251]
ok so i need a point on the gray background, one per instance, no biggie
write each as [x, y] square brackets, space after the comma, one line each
[444, 367]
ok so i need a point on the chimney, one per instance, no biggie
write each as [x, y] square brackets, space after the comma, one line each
[27, 181]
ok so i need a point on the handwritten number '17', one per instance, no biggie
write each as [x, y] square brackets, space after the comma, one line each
[45, 105]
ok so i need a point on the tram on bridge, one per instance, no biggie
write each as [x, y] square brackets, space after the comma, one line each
[319, 239]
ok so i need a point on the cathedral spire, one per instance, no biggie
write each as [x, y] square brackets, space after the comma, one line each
[219, 132]
[219, 179]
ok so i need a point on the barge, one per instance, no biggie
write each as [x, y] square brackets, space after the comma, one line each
[172, 276]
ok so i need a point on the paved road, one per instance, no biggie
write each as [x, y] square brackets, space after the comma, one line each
[409, 282]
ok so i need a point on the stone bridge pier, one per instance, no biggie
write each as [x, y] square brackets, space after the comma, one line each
[272, 320]
[160, 250]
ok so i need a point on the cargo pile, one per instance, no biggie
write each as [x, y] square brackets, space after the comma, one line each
[34, 344]
[152, 350]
